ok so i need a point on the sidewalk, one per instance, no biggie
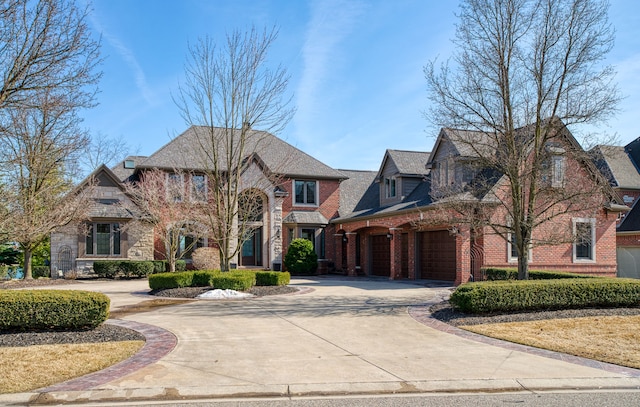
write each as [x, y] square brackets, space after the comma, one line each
[343, 336]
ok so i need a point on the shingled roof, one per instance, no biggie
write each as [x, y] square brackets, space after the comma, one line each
[617, 166]
[409, 162]
[189, 151]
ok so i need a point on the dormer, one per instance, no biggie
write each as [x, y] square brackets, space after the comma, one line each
[399, 174]
[453, 160]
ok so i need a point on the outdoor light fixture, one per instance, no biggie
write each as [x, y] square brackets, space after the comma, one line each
[344, 238]
[389, 236]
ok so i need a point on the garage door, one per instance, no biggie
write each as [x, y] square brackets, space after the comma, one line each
[629, 262]
[437, 255]
[381, 256]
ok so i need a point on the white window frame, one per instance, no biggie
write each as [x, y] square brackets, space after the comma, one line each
[316, 198]
[169, 187]
[510, 258]
[557, 171]
[195, 195]
[592, 222]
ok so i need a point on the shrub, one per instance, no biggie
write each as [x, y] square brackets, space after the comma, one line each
[234, 281]
[52, 309]
[160, 266]
[170, 280]
[181, 265]
[206, 258]
[301, 258]
[203, 278]
[106, 268]
[495, 274]
[272, 278]
[40, 271]
[134, 268]
[507, 296]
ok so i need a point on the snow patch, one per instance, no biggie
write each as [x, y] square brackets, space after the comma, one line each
[223, 294]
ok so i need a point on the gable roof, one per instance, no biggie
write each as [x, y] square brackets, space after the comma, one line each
[187, 151]
[106, 208]
[122, 172]
[616, 165]
[631, 222]
[408, 163]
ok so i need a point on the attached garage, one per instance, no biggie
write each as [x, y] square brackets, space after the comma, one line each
[380, 256]
[629, 262]
[437, 259]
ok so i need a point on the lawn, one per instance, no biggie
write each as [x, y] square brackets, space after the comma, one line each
[32, 367]
[612, 339]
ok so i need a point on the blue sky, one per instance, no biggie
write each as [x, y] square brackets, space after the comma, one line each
[356, 69]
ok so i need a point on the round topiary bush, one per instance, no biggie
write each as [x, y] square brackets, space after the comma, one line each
[301, 259]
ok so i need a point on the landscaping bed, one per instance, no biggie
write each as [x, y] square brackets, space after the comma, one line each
[446, 313]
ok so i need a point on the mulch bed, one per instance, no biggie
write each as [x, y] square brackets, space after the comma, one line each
[444, 312]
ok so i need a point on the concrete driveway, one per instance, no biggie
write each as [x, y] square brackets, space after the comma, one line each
[340, 336]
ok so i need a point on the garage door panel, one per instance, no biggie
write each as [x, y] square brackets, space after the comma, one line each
[381, 256]
[628, 262]
[437, 255]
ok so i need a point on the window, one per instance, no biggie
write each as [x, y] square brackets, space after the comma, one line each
[557, 171]
[187, 245]
[305, 193]
[512, 249]
[103, 239]
[584, 231]
[175, 189]
[389, 187]
[198, 187]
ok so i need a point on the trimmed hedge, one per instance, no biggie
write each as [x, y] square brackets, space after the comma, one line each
[498, 274]
[272, 278]
[106, 268]
[126, 268]
[52, 309]
[203, 278]
[233, 281]
[507, 296]
[171, 280]
[239, 280]
[40, 271]
[136, 268]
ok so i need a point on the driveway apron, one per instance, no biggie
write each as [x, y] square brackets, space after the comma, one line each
[343, 335]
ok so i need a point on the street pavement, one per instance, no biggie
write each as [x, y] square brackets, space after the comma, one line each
[338, 336]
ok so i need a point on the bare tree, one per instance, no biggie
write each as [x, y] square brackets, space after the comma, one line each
[172, 205]
[101, 149]
[523, 70]
[44, 45]
[48, 60]
[39, 191]
[229, 91]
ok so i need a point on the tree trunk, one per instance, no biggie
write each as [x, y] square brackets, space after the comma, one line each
[523, 266]
[27, 264]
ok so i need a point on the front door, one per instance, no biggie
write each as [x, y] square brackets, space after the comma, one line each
[252, 249]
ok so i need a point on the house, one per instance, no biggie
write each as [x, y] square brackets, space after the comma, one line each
[397, 228]
[385, 223]
[299, 195]
[621, 167]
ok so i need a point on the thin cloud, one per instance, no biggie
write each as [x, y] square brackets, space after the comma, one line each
[331, 21]
[130, 60]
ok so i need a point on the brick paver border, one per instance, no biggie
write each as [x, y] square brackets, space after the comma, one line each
[158, 343]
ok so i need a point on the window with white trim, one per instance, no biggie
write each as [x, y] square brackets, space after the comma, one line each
[175, 187]
[512, 250]
[584, 245]
[198, 187]
[305, 192]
